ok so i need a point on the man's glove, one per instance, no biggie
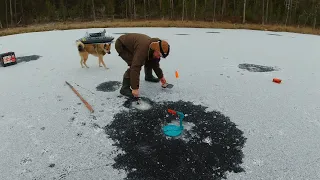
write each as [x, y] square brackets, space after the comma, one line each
[135, 92]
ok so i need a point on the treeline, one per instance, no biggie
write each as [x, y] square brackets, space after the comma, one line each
[287, 12]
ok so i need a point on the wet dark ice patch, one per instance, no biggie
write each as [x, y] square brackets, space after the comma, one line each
[182, 34]
[274, 34]
[109, 86]
[207, 150]
[257, 68]
[27, 58]
[213, 32]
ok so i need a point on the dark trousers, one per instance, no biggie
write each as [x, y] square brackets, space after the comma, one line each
[125, 54]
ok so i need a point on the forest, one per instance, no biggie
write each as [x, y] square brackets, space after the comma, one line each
[300, 13]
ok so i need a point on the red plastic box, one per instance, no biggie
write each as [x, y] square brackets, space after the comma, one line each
[7, 59]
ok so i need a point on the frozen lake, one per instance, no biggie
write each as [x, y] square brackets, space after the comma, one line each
[252, 128]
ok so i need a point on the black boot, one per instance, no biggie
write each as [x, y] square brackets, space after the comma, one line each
[125, 89]
[148, 75]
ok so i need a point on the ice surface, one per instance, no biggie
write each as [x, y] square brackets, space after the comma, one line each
[42, 122]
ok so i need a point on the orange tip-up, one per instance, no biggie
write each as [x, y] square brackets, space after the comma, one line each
[177, 74]
[277, 80]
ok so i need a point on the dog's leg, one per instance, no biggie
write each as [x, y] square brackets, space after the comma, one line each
[101, 61]
[81, 61]
[85, 60]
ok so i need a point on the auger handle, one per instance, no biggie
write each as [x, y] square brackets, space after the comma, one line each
[179, 114]
[173, 112]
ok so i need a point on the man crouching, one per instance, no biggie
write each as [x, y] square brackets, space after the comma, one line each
[138, 50]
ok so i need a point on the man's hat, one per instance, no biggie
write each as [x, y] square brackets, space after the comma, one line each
[161, 46]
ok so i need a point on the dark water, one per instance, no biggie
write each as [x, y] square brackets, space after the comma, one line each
[182, 34]
[109, 86]
[27, 58]
[257, 68]
[149, 154]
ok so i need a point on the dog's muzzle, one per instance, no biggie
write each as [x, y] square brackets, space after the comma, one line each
[109, 52]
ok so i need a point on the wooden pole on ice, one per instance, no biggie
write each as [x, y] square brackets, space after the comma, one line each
[84, 101]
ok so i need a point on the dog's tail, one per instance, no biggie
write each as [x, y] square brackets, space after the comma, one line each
[80, 46]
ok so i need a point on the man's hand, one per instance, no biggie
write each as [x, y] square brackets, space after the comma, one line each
[135, 92]
[163, 81]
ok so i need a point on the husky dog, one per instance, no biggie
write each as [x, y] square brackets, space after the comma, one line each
[98, 50]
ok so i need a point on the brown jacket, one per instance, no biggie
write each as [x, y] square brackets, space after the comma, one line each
[138, 45]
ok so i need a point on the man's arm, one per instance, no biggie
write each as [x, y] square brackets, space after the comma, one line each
[157, 69]
[159, 73]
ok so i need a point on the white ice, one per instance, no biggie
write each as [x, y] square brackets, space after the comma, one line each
[42, 124]
[141, 105]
